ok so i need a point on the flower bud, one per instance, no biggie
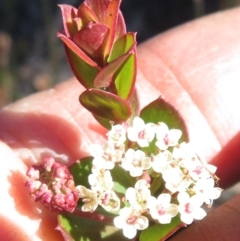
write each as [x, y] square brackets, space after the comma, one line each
[52, 184]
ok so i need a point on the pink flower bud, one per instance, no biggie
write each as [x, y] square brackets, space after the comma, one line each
[52, 184]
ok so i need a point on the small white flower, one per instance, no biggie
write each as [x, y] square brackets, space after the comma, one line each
[166, 137]
[161, 161]
[89, 199]
[161, 208]
[140, 132]
[190, 207]
[117, 135]
[106, 156]
[204, 188]
[139, 194]
[131, 220]
[135, 162]
[198, 170]
[184, 153]
[100, 180]
[109, 201]
[174, 179]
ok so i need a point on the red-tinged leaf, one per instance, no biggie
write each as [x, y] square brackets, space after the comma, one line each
[99, 7]
[126, 77]
[103, 122]
[110, 20]
[160, 232]
[90, 39]
[106, 74]
[86, 14]
[122, 45]
[161, 111]
[105, 105]
[74, 48]
[121, 26]
[68, 15]
[78, 23]
[84, 72]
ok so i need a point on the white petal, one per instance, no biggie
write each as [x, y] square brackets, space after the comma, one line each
[136, 172]
[132, 134]
[151, 202]
[138, 123]
[216, 193]
[183, 197]
[172, 210]
[174, 136]
[141, 223]
[186, 218]
[129, 231]
[199, 213]
[142, 183]
[131, 194]
[164, 199]
[143, 143]
[119, 222]
[164, 219]
[196, 200]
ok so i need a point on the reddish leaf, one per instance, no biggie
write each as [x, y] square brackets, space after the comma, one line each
[110, 20]
[74, 48]
[99, 7]
[90, 40]
[86, 14]
[106, 105]
[105, 76]
[68, 15]
[121, 26]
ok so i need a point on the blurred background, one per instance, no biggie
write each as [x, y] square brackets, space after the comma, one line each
[33, 59]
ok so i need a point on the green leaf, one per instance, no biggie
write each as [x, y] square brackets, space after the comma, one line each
[121, 178]
[122, 45]
[81, 170]
[83, 71]
[126, 77]
[105, 105]
[103, 121]
[157, 186]
[160, 232]
[69, 44]
[76, 228]
[107, 73]
[161, 111]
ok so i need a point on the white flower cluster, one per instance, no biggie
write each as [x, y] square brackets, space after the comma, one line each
[189, 181]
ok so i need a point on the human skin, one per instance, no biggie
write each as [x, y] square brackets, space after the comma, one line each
[195, 67]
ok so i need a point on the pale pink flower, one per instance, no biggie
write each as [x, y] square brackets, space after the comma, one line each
[131, 220]
[140, 132]
[161, 209]
[166, 137]
[190, 207]
[135, 162]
